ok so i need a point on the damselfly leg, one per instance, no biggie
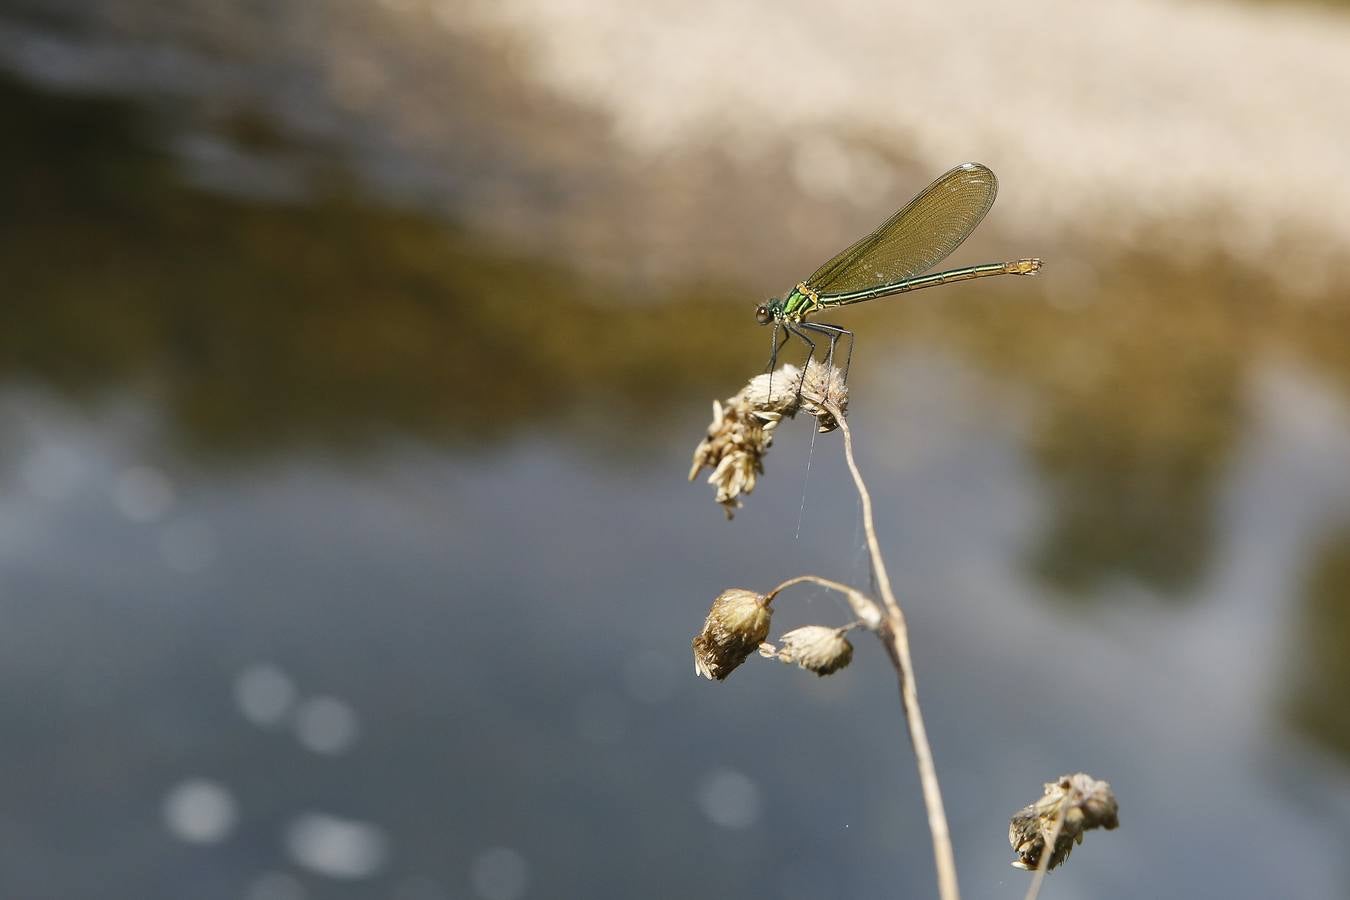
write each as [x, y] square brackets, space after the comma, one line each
[834, 332]
[796, 331]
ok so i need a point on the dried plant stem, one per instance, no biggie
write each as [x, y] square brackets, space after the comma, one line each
[813, 579]
[867, 611]
[895, 635]
[1034, 890]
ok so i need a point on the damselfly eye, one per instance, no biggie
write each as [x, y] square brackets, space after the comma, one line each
[762, 314]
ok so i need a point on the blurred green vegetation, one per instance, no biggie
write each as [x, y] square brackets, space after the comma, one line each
[256, 324]
[1138, 392]
[1321, 675]
[1139, 399]
[1138, 406]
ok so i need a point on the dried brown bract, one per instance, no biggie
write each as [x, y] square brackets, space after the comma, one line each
[816, 648]
[737, 624]
[742, 427]
[1072, 805]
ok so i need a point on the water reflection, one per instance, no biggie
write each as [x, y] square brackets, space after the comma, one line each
[187, 546]
[200, 811]
[500, 873]
[143, 494]
[227, 316]
[275, 886]
[336, 847]
[326, 725]
[729, 799]
[1138, 403]
[51, 471]
[265, 694]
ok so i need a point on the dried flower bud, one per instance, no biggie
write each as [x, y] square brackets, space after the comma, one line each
[742, 428]
[1077, 802]
[736, 624]
[824, 384]
[773, 392]
[816, 648]
[734, 449]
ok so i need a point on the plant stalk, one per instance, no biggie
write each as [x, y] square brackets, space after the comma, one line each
[895, 635]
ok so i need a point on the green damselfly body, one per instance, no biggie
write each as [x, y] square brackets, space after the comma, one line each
[893, 260]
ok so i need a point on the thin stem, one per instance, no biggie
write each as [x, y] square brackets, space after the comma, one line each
[895, 635]
[1034, 890]
[800, 579]
[863, 607]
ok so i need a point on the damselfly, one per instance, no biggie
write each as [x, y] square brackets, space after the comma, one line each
[892, 260]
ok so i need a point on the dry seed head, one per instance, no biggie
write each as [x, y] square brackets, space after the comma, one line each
[742, 428]
[737, 623]
[1080, 801]
[773, 392]
[816, 648]
[824, 384]
[734, 449]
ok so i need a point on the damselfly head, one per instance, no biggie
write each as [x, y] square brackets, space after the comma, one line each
[762, 313]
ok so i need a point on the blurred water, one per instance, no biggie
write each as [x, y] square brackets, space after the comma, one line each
[345, 547]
